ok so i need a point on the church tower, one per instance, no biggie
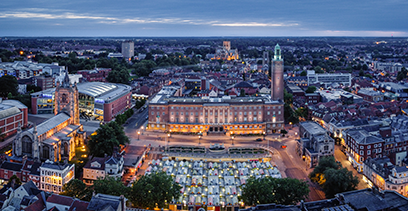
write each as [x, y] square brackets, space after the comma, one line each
[66, 99]
[277, 75]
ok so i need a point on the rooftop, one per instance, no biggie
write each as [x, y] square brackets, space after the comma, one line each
[313, 127]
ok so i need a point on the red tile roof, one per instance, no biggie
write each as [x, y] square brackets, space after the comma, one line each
[62, 200]
[79, 206]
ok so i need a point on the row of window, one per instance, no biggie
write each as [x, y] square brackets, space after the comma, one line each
[234, 108]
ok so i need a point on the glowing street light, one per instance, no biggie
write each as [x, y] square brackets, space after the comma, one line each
[199, 139]
[232, 140]
[138, 135]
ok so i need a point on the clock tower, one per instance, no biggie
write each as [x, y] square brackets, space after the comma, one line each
[66, 99]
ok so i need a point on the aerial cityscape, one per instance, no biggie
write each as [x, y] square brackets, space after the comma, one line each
[175, 105]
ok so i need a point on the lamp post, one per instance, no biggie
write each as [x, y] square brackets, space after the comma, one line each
[232, 140]
[199, 139]
[167, 140]
[290, 123]
[138, 135]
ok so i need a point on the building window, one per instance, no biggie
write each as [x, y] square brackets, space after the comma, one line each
[368, 152]
[361, 152]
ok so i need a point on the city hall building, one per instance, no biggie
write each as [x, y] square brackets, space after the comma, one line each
[101, 100]
[227, 114]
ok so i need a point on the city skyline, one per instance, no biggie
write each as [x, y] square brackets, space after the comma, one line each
[182, 18]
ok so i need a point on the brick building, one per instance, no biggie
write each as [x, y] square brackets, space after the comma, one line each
[95, 75]
[13, 114]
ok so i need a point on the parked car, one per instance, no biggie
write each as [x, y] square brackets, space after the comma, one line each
[258, 139]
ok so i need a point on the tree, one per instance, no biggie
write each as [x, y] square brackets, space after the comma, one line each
[274, 190]
[338, 181]
[325, 163]
[332, 177]
[310, 89]
[242, 93]
[318, 69]
[8, 84]
[110, 185]
[14, 181]
[75, 188]
[303, 73]
[152, 189]
[33, 88]
[402, 74]
[121, 76]
[107, 137]
[288, 98]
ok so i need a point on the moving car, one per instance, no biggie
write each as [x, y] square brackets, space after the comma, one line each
[258, 139]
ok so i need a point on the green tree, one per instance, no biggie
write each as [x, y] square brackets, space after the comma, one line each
[288, 98]
[33, 88]
[338, 181]
[8, 84]
[107, 137]
[303, 73]
[310, 89]
[325, 163]
[118, 76]
[302, 112]
[152, 189]
[318, 70]
[361, 73]
[14, 180]
[242, 93]
[402, 74]
[75, 188]
[110, 185]
[274, 190]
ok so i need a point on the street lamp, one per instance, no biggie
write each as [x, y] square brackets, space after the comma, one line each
[232, 140]
[138, 135]
[167, 140]
[290, 123]
[199, 139]
[263, 135]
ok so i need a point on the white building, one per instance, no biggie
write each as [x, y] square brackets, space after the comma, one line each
[102, 167]
[128, 49]
[329, 78]
[55, 175]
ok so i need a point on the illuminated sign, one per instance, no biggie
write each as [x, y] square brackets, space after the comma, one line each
[98, 100]
[47, 95]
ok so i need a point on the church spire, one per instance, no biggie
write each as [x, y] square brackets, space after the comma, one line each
[65, 82]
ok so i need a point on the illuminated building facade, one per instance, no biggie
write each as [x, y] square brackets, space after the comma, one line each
[361, 145]
[233, 115]
[314, 142]
[384, 175]
[226, 53]
[102, 101]
[55, 175]
[56, 138]
[277, 75]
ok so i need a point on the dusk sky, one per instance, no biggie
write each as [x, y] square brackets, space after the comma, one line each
[204, 18]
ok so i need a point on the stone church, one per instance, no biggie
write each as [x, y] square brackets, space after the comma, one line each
[56, 138]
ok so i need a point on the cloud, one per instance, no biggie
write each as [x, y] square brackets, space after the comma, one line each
[255, 24]
[363, 33]
[115, 20]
